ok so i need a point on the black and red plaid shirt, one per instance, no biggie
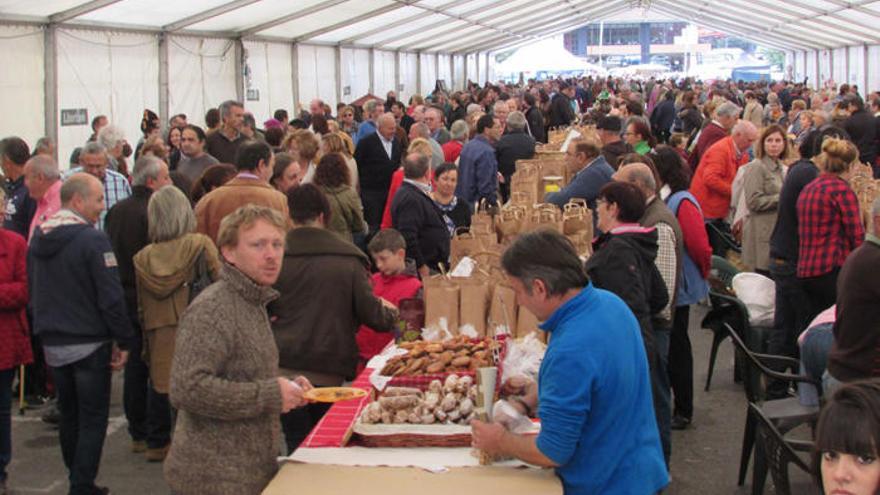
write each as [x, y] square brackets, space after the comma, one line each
[829, 225]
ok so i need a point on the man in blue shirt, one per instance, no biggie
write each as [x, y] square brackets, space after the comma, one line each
[477, 164]
[594, 391]
[591, 172]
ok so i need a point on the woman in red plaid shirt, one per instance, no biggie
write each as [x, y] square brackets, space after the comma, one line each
[829, 224]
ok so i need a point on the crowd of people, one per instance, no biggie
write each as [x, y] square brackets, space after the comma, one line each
[185, 261]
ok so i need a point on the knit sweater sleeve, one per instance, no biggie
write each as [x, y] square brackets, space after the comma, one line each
[201, 382]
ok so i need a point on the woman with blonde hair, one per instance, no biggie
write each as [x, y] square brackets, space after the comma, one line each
[304, 145]
[339, 142]
[762, 183]
[169, 272]
[418, 145]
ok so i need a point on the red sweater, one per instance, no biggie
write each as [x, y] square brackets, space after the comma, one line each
[15, 345]
[451, 150]
[713, 179]
[396, 181]
[696, 240]
[393, 289]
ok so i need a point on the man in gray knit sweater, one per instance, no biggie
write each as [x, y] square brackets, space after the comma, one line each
[224, 379]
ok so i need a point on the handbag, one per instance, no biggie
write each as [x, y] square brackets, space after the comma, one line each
[201, 278]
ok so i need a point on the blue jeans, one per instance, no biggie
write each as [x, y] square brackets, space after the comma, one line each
[660, 390]
[83, 390]
[814, 358]
[5, 420]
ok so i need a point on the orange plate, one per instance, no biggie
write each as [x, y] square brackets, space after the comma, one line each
[334, 394]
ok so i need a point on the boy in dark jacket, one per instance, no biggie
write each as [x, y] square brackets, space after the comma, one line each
[79, 310]
[395, 280]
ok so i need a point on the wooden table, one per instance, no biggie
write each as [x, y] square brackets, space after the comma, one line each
[294, 479]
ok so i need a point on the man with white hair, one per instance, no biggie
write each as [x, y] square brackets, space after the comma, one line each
[126, 225]
[726, 115]
[713, 181]
[93, 160]
[515, 144]
[378, 157]
[458, 134]
[434, 120]
[421, 130]
[500, 112]
[43, 182]
[372, 111]
[112, 139]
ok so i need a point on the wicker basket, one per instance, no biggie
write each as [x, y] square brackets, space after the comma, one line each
[399, 436]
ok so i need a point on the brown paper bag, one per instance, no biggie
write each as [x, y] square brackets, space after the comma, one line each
[474, 302]
[544, 216]
[441, 301]
[577, 218]
[462, 244]
[527, 179]
[509, 222]
[502, 310]
[526, 322]
[483, 219]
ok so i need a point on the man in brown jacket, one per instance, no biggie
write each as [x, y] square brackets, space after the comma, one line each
[255, 163]
[224, 378]
[317, 340]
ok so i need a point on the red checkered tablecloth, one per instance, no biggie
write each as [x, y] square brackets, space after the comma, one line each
[335, 427]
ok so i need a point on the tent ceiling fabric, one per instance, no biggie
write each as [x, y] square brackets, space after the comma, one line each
[455, 26]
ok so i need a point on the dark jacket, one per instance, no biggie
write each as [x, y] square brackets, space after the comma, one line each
[784, 239]
[512, 147]
[862, 129]
[536, 124]
[320, 266]
[613, 151]
[374, 166]
[76, 294]
[662, 117]
[623, 263]
[691, 120]
[459, 113]
[20, 207]
[561, 113]
[406, 122]
[420, 221]
[126, 225]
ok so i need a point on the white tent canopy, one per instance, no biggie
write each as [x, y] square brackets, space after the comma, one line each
[80, 58]
[545, 55]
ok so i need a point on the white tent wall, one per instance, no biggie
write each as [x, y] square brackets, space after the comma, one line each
[408, 75]
[317, 74]
[445, 70]
[458, 78]
[428, 73]
[21, 49]
[109, 73]
[354, 74]
[201, 75]
[838, 65]
[872, 70]
[383, 68]
[490, 67]
[471, 68]
[856, 69]
[270, 74]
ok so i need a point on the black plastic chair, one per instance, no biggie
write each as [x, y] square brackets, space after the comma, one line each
[777, 452]
[785, 414]
[719, 237]
[724, 271]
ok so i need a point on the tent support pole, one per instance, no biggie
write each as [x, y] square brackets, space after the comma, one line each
[239, 70]
[419, 73]
[372, 69]
[164, 108]
[397, 75]
[50, 84]
[452, 81]
[294, 81]
[866, 68]
[337, 51]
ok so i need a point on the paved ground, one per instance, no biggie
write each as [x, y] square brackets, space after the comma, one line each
[705, 457]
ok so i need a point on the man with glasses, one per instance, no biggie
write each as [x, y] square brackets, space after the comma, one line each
[94, 161]
[584, 157]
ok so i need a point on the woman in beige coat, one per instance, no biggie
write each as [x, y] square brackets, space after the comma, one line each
[761, 185]
[753, 111]
[164, 272]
